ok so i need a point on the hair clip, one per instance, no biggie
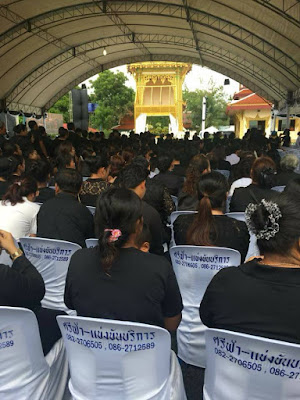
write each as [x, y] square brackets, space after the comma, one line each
[271, 227]
[114, 234]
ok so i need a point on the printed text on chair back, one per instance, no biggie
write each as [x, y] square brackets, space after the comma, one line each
[246, 367]
[115, 360]
[195, 267]
[51, 258]
[24, 372]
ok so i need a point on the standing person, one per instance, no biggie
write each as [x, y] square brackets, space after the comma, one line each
[63, 217]
[115, 280]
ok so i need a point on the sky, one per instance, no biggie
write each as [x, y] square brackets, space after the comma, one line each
[197, 78]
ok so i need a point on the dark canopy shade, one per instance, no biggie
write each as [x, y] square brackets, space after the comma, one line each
[47, 47]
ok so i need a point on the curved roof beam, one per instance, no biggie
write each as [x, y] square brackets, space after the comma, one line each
[206, 48]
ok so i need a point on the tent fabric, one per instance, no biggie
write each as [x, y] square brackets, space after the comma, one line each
[46, 48]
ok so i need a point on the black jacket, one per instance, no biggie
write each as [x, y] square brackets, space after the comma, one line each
[173, 182]
[250, 194]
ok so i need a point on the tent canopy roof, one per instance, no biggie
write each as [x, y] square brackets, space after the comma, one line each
[47, 47]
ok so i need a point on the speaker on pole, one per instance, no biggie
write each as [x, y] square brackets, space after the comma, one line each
[80, 108]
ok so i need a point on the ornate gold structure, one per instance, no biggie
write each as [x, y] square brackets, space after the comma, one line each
[159, 92]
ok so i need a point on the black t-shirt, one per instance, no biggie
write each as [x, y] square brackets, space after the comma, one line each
[250, 194]
[229, 232]
[142, 287]
[45, 194]
[256, 299]
[3, 188]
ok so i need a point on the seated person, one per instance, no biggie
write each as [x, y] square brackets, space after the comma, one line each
[63, 217]
[263, 175]
[115, 280]
[188, 198]
[288, 165]
[134, 177]
[21, 285]
[144, 239]
[17, 210]
[41, 170]
[261, 297]
[5, 172]
[97, 182]
[241, 173]
[210, 227]
[166, 176]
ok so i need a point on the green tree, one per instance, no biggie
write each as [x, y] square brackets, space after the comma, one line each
[216, 103]
[62, 107]
[115, 99]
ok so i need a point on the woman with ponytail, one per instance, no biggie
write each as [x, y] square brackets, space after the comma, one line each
[17, 210]
[115, 280]
[209, 226]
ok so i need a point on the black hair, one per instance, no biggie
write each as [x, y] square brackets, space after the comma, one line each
[164, 163]
[40, 170]
[9, 148]
[116, 208]
[19, 128]
[212, 189]
[16, 161]
[144, 236]
[32, 124]
[95, 163]
[141, 161]
[69, 180]
[63, 132]
[71, 126]
[131, 176]
[19, 189]
[6, 165]
[263, 172]
[63, 160]
[289, 225]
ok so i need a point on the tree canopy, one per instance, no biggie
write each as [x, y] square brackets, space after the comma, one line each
[216, 103]
[115, 99]
[62, 107]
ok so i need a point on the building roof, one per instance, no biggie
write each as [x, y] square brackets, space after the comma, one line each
[48, 47]
[243, 100]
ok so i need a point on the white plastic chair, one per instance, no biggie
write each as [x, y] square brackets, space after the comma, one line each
[91, 243]
[91, 209]
[245, 367]
[175, 201]
[25, 373]
[240, 216]
[51, 258]
[174, 215]
[195, 266]
[115, 360]
[278, 188]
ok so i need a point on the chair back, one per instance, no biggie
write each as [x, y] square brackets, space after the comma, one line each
[115, 360]
[246, 367]
[91, 243]
[175, 201]
[240, 216]
[173, 218]
[195, 266]
[91, 209]
[24, 372]
[278, 188]
[51, 258]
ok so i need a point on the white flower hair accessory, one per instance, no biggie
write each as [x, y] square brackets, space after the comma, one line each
[271, 227]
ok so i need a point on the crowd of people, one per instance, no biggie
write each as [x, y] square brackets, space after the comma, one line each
[46, 186]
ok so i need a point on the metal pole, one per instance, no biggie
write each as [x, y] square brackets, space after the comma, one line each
[203, 113]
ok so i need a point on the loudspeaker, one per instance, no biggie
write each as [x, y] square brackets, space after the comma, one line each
[80, 108]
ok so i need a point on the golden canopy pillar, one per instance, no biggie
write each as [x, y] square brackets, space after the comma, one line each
[159, 92]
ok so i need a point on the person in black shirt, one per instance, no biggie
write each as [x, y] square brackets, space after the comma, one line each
[134, 177]
[167, 177]
[63, 217]
[97, 182]
[288, 164]
[263, 175]
[40, 170]
[262, 296]
[210, 227]
[6, 165]
[115, 280]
